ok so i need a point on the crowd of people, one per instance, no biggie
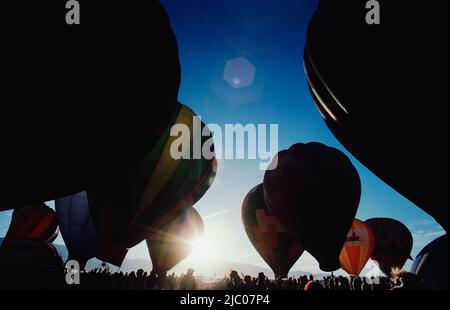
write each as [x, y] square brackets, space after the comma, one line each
[141, 280]
[37, 265]
[399, 280]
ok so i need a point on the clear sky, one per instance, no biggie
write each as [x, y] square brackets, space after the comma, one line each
[269, 36]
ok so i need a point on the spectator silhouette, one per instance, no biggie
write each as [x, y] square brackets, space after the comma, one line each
[235, 283]
[261, 282]
[188, 281]
[248, 284]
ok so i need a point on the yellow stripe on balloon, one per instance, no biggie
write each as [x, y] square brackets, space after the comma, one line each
[166, 165]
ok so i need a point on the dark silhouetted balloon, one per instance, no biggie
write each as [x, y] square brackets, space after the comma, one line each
[33, 222]
[357, 249]
[393, 243]
[76, 226]
[314, 192]
[25, 259]
[392, 115]
[432, 264]
[267, 235]
[81, 103]
[152, 193]
[173, 243]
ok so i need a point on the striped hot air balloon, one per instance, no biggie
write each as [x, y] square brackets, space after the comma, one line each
[169, 246]
[393, 243]
[267, 235]
[130, 209]
[33, 222]
[357, 249]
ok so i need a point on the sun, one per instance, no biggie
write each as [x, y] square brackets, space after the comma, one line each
[203, 249]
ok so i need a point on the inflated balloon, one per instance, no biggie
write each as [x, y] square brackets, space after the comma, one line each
[267, 235]
[173, 243]
[314, 192]
[33, 222]
[81, 102]
[25, 258]
[357, 249]
[393, 243]
[432, 264]
[76, 226]
[392, 115]
[154, 192]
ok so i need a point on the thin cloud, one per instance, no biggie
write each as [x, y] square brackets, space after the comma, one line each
[214, 215]
[424, 237]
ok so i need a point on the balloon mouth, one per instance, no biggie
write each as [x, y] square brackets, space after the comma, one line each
[111, 252]
[329, 266]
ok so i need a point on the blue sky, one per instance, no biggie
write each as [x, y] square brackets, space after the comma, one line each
[270, 36]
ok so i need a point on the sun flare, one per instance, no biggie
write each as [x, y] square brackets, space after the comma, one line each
[203, 250]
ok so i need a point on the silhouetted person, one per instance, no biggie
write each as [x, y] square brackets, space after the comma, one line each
[171, 282]
[356, 284]
[235, 283]
[279, 283]
[248, 284]
[366, 286]
[151, 281]
[161, 282]
[261, 283]
[188, 281]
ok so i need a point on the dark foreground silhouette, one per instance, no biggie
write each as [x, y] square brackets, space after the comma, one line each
[33, 264]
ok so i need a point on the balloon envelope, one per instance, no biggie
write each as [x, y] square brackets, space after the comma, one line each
[25, 258]
[267, 235]
[431, 264]
[33, 222]
[129, 209]
[393, 243]
[314, 192]
[76, 226]
[393, 115]
[81, 103]
[357, 249]
[173, 243]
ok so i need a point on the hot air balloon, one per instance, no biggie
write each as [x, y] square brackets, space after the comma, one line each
[314, 192]
[393, 243]
[33, 222]
[154, 192]
[392, 115]
[267, 235]
[77, 228]
[357, 249]
[173, 243]
[25, 259]
[81, 103]
[431, 264]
